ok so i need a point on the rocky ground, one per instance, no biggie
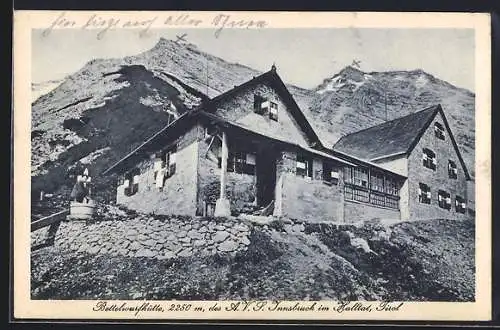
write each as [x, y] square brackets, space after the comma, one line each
[426, 261]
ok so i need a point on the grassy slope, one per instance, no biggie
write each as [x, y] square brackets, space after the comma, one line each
[431, 260]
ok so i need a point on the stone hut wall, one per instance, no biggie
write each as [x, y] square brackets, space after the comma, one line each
[159, 237]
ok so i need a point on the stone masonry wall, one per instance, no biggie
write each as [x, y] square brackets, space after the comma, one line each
[437, 179]
[308, 199]
[145, 236]
[240, 109]
[179, 192]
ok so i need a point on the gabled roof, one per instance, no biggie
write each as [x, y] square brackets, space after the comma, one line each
[396, 137]
[274, 80]
[206, 109]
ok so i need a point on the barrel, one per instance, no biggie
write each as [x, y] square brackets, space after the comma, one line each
[81, 211]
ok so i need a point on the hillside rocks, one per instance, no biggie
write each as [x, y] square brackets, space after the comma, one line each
[150, 237]
[138, 256]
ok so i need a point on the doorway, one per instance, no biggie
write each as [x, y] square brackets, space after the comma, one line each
[266, 177]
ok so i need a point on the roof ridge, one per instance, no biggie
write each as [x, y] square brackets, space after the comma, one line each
[390, 121]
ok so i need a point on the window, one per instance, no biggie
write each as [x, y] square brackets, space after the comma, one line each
[391, 187]
[452, 169]
[131, 182]
[357, 176]
[460, 205]
[361, 177]
[377, 182]
[304, 166]
[273, 112]
[164, 166]
[444, 200]
[382, 190]
[240, 162]
[424, 193]
[259, 104]
[429, 159]
[439, 131]
[263, 106]
[330, 173]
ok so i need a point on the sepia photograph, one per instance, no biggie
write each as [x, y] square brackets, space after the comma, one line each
[235, 162]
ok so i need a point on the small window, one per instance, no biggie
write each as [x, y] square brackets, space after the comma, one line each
[164, 166]
[330, 173]
[131, 182]
[460, 205]
[424, 193]
[304, 166]
[240, 162]
[429, 159]
[273, 112]
[377, 182]
[261, 105]
[391, 187]
[444, 200]
[361, 177]
[452, 169]
[439, 131]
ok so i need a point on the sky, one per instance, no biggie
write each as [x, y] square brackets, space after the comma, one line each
[304, 57]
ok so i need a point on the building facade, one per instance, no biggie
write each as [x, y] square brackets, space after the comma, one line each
[251, 150]
[422, 148]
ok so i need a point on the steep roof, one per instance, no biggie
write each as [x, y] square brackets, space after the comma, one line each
[393, 138]
[273, 79]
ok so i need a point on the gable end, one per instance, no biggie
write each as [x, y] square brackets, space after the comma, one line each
[439, 110]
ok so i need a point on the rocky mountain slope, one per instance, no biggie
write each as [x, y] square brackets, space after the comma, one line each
[353, 100]
[410, 261]
[98, 114]
[41, 88]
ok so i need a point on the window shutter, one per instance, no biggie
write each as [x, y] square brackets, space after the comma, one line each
[157, 164]
[159, 179]
[250, 159]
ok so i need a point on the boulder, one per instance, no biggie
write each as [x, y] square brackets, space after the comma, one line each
[134, 246]
[228, 246]
[145, 253]
[220, 236]
[185, 253]
[245, 241]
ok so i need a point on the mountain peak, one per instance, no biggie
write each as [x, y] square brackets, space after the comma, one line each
[350, 69]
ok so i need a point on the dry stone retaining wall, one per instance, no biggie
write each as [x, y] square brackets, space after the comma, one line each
[155, 238]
